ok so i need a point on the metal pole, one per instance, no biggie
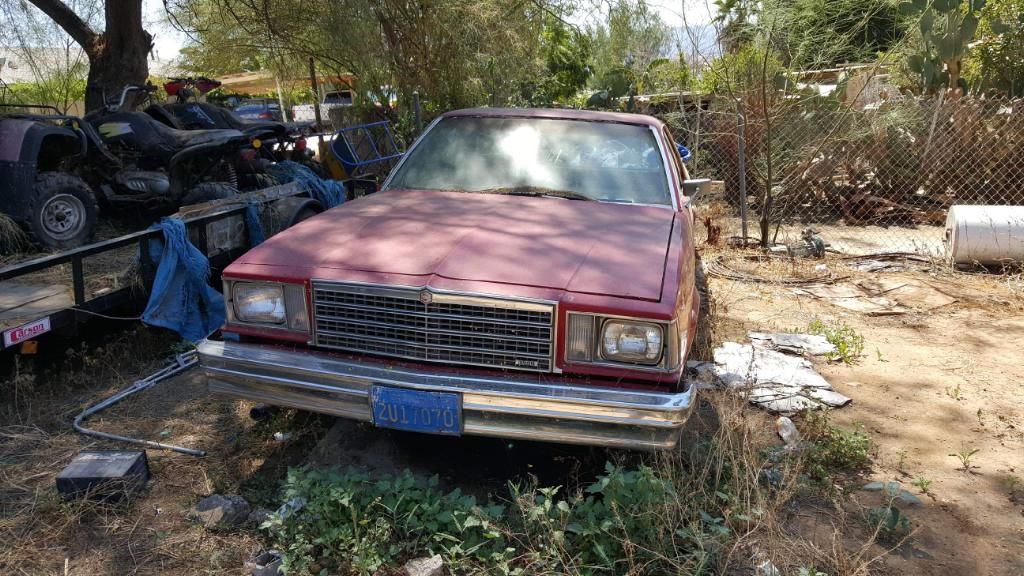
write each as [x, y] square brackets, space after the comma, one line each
[316, 98]
[741, 161]
[182, 362]
[416, 112]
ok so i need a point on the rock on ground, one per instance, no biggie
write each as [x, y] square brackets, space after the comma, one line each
[432, 566]
[221, 511]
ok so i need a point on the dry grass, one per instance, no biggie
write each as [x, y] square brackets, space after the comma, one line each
[13, 240]
[149, 534]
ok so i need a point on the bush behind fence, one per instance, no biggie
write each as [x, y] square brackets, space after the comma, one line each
[872, 180]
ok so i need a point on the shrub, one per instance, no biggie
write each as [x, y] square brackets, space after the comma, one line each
[834, 450]
[848, 342]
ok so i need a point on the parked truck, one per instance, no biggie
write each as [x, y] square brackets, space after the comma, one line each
[332, 100]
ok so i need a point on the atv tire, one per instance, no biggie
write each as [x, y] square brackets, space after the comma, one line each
[62, 211]
[316, 167]
[207, 192]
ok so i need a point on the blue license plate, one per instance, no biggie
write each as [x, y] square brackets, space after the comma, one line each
[416, 410]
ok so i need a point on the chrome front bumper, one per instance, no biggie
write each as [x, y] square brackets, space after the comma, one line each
[502, 407]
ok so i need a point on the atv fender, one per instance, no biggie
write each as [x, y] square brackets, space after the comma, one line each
[27, 148]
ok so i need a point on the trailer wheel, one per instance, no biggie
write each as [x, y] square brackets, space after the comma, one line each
[287, 212]
[62, 210]
[208, 191]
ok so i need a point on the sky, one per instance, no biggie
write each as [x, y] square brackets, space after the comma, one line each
[168, 41]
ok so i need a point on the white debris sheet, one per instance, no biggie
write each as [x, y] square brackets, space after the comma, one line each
[882, 296]
[776, 381]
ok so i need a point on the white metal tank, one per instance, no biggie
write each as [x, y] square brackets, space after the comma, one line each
[985, 234]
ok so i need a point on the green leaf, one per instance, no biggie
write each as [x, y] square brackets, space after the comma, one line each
[928, 70]
[968, 28]
[999, 27]
[977, 5]
[944, 6]
[563, 505]
[926, 23]
[909, 8]
[915, 62]
[948, 45]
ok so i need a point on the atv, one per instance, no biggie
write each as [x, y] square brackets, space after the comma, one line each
[57, 171]
[38, 186]
[279, 140]
[139, 162]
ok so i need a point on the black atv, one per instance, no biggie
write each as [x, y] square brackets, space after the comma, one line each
[39, 188]
[139, 162]
[56, 171]
[279, 140]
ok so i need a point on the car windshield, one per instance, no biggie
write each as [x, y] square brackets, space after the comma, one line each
[573, 159]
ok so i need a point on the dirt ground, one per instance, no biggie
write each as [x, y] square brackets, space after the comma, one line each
[929, 384]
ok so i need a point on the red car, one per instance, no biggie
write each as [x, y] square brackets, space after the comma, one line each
[521, 274]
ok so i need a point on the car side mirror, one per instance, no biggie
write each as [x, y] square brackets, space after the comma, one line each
[692, 188]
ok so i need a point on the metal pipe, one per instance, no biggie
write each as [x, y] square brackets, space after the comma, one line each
[741, 160]
[182, 362]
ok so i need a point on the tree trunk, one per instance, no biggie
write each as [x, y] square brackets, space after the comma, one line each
[117, 57]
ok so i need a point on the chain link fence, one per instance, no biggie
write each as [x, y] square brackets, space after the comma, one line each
[872, 180]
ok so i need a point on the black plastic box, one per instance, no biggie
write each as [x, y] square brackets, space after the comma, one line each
[108, 475]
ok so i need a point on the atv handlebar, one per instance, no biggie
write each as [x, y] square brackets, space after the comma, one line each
[148, 88]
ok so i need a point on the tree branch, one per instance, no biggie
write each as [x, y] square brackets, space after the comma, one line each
[77, 28]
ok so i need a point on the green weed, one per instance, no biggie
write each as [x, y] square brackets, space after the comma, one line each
[965, 454]
[922, 484]
[848, 342]
[890, 524]
[833, 449]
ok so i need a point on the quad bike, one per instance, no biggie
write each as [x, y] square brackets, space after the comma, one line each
[279, 141]
[57, 171]
[38, 187]
[137, 161]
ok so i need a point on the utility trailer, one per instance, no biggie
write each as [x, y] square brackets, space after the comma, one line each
[55, 294]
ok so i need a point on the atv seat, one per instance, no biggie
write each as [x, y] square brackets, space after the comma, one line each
[186, 138]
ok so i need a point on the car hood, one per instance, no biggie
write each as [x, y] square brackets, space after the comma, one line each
[584, 247]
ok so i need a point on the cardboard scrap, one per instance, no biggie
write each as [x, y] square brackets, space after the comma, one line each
[879, 296]
[802, 344]
[770, 379]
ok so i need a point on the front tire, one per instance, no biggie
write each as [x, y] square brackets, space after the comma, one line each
[207, 192]
[63, 211]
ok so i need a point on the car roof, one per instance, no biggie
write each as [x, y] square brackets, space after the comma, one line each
[559, 113]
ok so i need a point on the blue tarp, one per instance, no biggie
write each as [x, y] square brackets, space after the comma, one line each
[181, 299]
[329, 193]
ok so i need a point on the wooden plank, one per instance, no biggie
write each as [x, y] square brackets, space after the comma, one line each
[21, 302]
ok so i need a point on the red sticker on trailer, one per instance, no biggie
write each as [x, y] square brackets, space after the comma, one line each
[26, 332]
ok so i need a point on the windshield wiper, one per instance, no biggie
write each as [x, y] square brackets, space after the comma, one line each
[535, 191]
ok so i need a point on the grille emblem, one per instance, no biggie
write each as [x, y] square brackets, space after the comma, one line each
[426, 297]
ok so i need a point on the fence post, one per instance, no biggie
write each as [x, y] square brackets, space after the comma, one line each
[741, 162]
[316, 99]
[416, 112]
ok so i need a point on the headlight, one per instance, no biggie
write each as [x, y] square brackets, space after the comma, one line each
[609, 340]
[627, 341]
[259, 303]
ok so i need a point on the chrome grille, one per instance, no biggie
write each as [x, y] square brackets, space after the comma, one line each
[434, 326]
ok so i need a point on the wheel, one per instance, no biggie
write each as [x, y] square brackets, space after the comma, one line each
[289, 211]
[63, 210]
[316, 167]
[703, 340]
[260, 181]
[207, 192]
